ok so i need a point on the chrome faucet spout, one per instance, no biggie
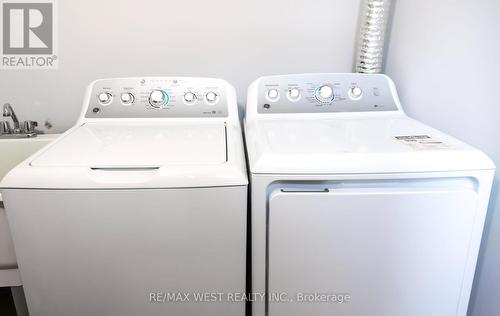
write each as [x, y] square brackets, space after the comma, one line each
[28, 128]
[8, 111]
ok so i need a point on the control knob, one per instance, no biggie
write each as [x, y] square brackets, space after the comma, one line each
[105, 98]
[294, 94]
[325, 94]
[127, 98]
[355, 93]
[211, 97]
[190, 97]
[158, 98]
[273, 94]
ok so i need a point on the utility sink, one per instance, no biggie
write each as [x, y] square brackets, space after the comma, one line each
[15, 150]
[12, 152]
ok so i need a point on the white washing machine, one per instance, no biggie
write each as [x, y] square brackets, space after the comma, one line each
[358, 209]
[138, 208]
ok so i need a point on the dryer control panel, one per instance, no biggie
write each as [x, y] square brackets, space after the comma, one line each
[316, 93]
[158, 98]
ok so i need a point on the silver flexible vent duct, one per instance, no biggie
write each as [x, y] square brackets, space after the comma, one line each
[372, 30]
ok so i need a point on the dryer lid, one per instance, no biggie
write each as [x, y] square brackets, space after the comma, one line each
[136, 145]
[356, 145]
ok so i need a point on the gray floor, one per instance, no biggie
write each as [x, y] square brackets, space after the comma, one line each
[6, 303]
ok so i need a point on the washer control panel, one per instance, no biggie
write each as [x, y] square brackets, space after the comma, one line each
[316, 93]
[157, 97]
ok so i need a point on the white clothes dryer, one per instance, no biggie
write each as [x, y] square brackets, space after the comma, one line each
[357, 209]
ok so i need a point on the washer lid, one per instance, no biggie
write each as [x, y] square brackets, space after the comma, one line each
[135, 145]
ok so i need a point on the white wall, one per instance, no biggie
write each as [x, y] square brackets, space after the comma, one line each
[445, 58]
[233, 39]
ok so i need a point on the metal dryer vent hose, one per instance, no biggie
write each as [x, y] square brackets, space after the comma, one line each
[372, 30]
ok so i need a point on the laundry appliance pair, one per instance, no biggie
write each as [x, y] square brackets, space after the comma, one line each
[354, 208]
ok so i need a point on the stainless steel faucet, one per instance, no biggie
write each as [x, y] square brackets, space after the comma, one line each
[18, 131]
[9, 111]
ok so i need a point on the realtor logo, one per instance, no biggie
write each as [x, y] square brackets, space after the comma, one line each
[28, 35]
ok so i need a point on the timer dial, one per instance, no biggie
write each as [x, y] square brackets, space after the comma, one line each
[325, 94]
[158, 98]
